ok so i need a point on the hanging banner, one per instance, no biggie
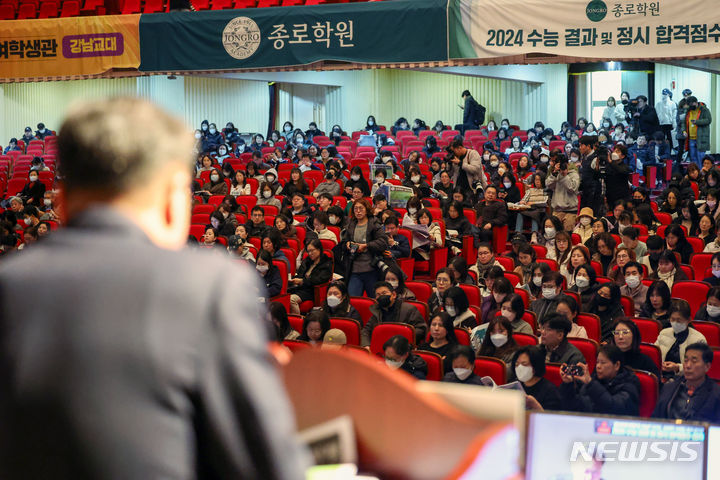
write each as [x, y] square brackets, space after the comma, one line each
[581, 28]
[68, 46]
[363, 32]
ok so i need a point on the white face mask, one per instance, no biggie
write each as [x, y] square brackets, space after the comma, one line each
[711, 204]
[716, 272]
[198, 135]
[523, 373]
[262, 268]
[615, 156]
[333, 219]
[507, 313]
[462, 373]
[498, 339]
[585, 221]
[537, 281]
[549, 293]
[486, 156]
[355, 178]
[574, 159]
[288, 128]
[299, 139]
[581, 282]
[333, 301]
[507, 184]
[379, 180]
[549, 232]
[394, 283]
[632, 281]
[450, 311]
[47, 202]
[371, 123]
[544, 159]
[33, 178]
[678, 327]
[393, 364]
[267, 194]
[415, 178]
[712, 310]
[222, 151]
[213, 131]
[494, 163]
[214, 178]
[412, 210]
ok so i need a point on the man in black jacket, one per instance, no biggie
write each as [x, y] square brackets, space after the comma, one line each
[491, 212]
[691, 396]
[473, 113]
[398, 245]
[389, 308]
[590, 176]
[617, 176]
[646, 117]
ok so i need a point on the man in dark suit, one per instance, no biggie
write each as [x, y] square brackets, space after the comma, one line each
[491, 212]
[139, 360]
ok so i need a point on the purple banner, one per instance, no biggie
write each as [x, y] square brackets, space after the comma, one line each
[93, 45]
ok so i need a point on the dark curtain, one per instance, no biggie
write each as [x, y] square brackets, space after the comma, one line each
[272, 114]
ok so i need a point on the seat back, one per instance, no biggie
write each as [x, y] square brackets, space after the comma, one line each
[693, 291]
[649, 390]
[525, 297]
[421, 307]
[714, 371]
[652, 351]
[588, 348]
[384, 331]
[710, 330]
[507, 263]
[422, 290]
[649, 329]
[700, 262]
[551, 263]
[472, 292]
[362, 305]
[628, 305]
[591, 323]
[524, 339]
[491, 367]
[296, 322]
[434, 364]
[463, 336]
[552, 373]
[349, 326]
[540, 251]
[514, 278]
[296, 345]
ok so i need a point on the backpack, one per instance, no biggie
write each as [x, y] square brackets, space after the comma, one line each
[480, 113]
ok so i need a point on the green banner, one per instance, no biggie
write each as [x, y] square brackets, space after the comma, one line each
[398, 31]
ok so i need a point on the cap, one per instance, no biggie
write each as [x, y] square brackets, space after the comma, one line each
[234, 241]
[335, 336]
[687, 91]
[666, 91]
[40, 126]
[28, 129]
[587, 212]
[518, 238]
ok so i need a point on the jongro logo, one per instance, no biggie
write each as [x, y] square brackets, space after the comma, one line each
[596, 10]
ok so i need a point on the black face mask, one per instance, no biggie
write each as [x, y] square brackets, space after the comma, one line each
[384, 301]
[603, 302]
[637, 201]
[693, 107]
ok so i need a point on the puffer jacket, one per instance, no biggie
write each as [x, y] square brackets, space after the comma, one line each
[666, 111]
[565, 190]
[619, 396]
[703, 128]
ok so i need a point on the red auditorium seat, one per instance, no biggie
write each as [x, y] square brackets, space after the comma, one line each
[7, 12]
[434, 364]
[48, 10]
[628, 305]
[699, 263]
[652, 351]
[268, 3]
[490, 367]
[349, 326]
[710, 330]
[649, 390]
[588, 348]
[197, 231]
[649, 329]
[153, 6]
[385, 331]
[130, 7]
[25, 12]
[463, 336]
[591, 323]
[200, 4]
[422, 290]
[693, 291]
[524, 339]
[296, 345]
[714, 371]
[15, 185]
[296, 322]
[362, 305]
[552, 373]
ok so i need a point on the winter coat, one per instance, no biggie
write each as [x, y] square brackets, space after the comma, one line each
[666, 111]
[618, 396]
[703, 128]
[565, 190]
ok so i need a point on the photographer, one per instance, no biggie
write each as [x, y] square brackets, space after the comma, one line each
[466, 167]
[564, 181]
[645, 117]
[363, 240]
[617, 175]
[590, 175]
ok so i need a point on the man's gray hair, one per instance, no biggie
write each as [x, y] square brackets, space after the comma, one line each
[112, 144]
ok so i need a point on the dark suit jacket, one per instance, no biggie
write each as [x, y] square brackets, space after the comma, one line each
[136, 362]
[494, 213]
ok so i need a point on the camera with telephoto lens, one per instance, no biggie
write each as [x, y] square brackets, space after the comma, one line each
[630, 106]
[378, 263]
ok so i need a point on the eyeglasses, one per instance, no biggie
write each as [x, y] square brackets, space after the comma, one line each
[619, 333]
[442, 280]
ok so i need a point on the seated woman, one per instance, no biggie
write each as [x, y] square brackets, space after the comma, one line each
[501, 290]
[626, 336]
[498, 341]
[584, 225]
[675, 241]
[337, 302]
[398, 356]
[459, 268]
[598, 227]
[444, 186]
[613, 389]
[644, 215]
[671, 204]
[606, 305]
[513, 308]
[688, 217]
[210, 238]
[552, 226]
[535, 285]
[462, 361]
[315, 326]
[458, 308]
[284, 225]
[412, 207]
[269, 274]
[526, 259]
[320, 222]
[707, 230]
[710, 311]
[395, 277]
[216, 185]
[561, 251]
[442, 338]
[315, 269]
[444, 279]
[272, 242]
[673, 340]
[568, 306]
[424, 217]
[536, 196]
[279, 317]
[579, 256]
[456, 226]
[657, 303]
[240, 186]
[296, 183]
[266, 196]
[605, 244]
[668, 270]
[529, 369]
[485, 261]
[417, 181]
[585, 284]
[623, 255]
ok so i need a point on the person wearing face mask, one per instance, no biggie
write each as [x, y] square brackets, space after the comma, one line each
[398, 356]
[389, 308]
[697, 122]
[12, 147]
[462, 361]
[612, 389]
[417, 181]
[606, 305]
[371, 125]
[673, 340]
[645, 119]
[222, 153]
[34, 190]
[314, 270]
[287, 131]
[498, 341]
[590, 185]
[584, 225]
[313, 131]
[269, 275]
[564, 181]
[667, 113]
[710, 311]
[231, 134]
[216, 185]
[31, 216]
[337, 302]
[693, 395]
[613, 112]
[213, 139]
[633, 287]
[551, 293]
[617, 175]
[528, 368]
[513, 308]
[551, 226]
[456, 305]
[430, 146]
